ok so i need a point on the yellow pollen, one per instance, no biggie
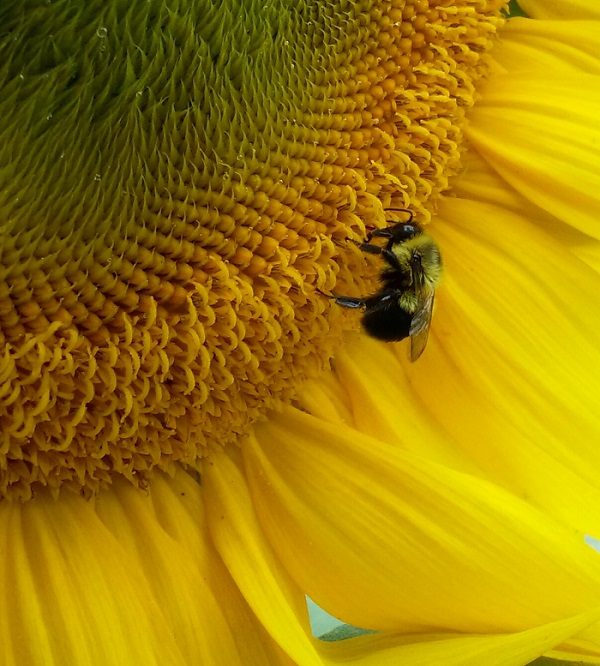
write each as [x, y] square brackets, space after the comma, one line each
[177, 185]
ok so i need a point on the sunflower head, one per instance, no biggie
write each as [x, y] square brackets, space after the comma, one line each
[177, 187]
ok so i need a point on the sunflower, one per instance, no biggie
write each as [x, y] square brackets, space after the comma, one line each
[192, 436]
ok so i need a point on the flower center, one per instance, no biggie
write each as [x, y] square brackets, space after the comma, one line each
[177, 188]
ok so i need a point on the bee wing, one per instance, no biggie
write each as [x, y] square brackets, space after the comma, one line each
[419, 327]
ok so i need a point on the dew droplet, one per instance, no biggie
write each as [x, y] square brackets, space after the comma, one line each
[101, 32]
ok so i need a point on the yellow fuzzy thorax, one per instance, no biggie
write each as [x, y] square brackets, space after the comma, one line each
[176, 181]
[431, 262]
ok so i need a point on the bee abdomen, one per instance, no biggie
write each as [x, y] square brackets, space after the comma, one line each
[385, 319]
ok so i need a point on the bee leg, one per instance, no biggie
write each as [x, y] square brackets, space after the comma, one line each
[385, 252]
[345, 301]
[349, 301]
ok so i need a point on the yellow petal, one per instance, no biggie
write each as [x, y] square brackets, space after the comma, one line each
[493, 650]
[73, 594]
[185, 522]
[390, 540]
[561, 9]
[276, 601]
[549, 46]
[479, 182]
[543, 138]
[167, 532]
[511, 378]
[127, 579]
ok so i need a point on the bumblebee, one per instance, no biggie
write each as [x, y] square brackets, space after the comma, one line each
[403, 306]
